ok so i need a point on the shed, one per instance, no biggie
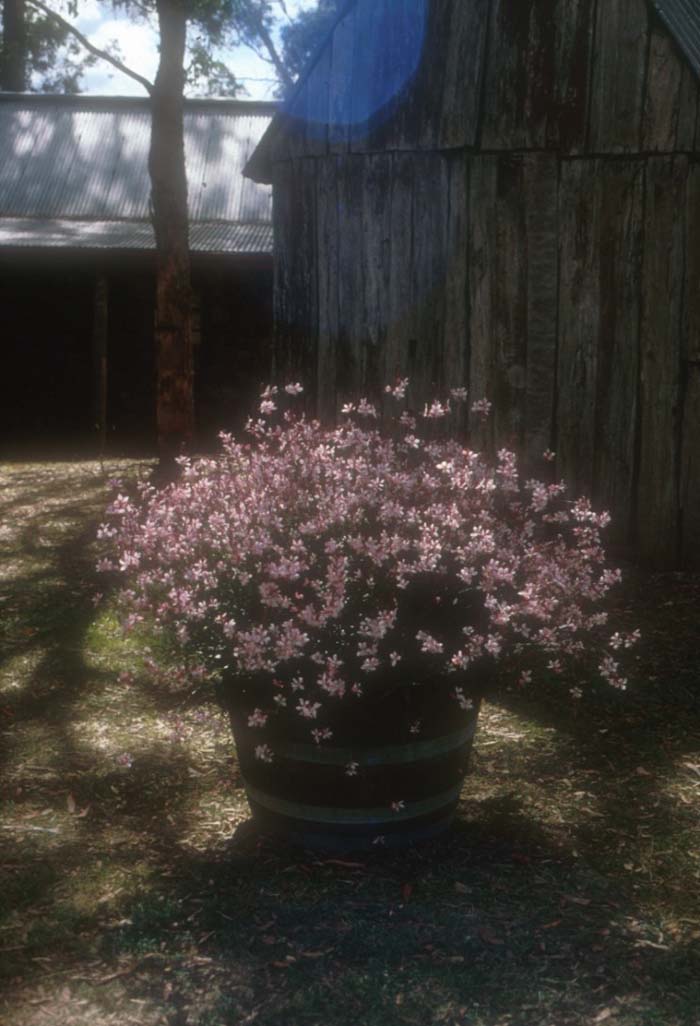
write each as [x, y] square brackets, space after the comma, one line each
[505, 194]
[77, 246]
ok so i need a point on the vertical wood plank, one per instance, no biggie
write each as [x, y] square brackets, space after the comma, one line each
[341, 83]
[328, 298]
[540, 195]
[617, 96]
[690, 430]
[579, 324]
[661, 332]
[457, 112]
[671, 100]
[351, 278]
[456, 344]
[499, 297]
[688, 110]
[481, 259]
[620, 186]
[537, 78]
[295, 288]
[282, 269]
[376, 234]
[428, 275]
[399, 328]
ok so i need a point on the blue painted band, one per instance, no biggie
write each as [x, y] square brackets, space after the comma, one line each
[390, 755]
[352, 817]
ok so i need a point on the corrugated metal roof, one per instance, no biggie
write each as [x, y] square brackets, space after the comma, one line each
[683, 19]
[205, 237]
[85, 159]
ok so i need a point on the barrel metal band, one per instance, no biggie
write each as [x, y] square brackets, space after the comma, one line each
[391, 755]
[351, 817]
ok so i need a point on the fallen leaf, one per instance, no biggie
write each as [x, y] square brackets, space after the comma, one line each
[461, 888]
[576, 901]
[488, 936]
[641, 772]
[603, 1014]
[70, 804]
[550, 926]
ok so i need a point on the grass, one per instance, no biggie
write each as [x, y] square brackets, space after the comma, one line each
[567, 894]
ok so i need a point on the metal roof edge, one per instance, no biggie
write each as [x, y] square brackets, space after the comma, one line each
[92, 101]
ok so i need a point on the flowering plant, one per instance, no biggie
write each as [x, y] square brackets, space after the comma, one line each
[333, 560]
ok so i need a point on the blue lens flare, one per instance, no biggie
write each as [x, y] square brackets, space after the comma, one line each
[361, 74]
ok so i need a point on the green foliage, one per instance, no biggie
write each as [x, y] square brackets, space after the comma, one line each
[56, 61]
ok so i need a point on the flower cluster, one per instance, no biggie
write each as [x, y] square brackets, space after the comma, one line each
[328, 557]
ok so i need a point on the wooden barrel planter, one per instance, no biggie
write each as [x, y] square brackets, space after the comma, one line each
[390, 776]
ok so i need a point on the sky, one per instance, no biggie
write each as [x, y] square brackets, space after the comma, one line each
[138, 45]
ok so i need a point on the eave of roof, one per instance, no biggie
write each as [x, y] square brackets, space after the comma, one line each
[681, 17]
[50, 233]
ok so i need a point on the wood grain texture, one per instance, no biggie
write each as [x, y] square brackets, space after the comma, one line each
[428, 275]
[482, 260]
[341, 82]
[498, 296]
[328, 297]
[399, 300]
[617, 91]
[537, 75]
[541, 198]
[690, 383]
[296, 305]
[601, 206]
[579, 323]
[620, 198]
[350, 344]
[456, 340]
[662, 330]
[376, 234]
[671, 97]
[452, 100]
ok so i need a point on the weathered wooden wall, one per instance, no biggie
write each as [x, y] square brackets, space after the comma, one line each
[527, 223]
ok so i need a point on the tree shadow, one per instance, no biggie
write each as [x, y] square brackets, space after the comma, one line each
[506, 920]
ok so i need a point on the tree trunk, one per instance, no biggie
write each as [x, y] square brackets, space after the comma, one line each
[166, 164]
[13, 65]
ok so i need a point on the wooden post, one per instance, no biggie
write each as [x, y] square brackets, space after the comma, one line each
[100, 327]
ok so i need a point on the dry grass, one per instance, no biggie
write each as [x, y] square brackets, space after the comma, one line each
[567, 894]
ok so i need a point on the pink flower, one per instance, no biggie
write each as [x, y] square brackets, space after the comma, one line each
[257, 719]
[309, 710]
[482, 407]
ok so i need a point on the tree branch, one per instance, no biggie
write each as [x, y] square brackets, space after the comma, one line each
[84, 41]
[269, 45]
